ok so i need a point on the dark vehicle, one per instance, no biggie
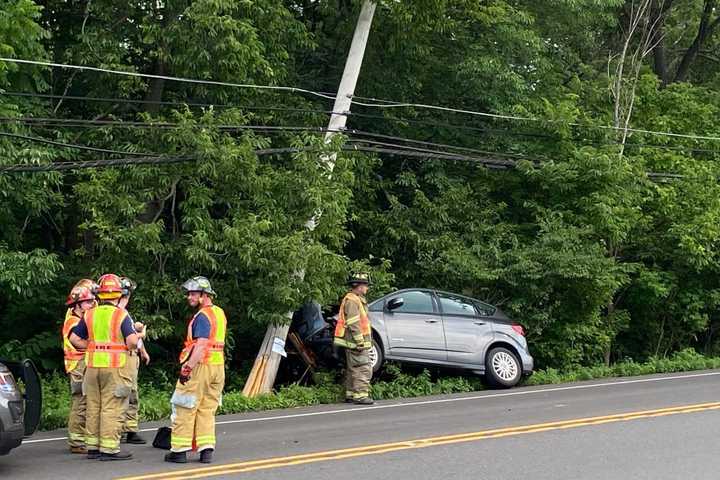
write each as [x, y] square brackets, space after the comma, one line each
[20, 405]
[430, 327]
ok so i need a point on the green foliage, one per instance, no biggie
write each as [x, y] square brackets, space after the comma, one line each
[597, 261]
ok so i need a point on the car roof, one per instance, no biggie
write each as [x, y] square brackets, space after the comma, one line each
[431, 290]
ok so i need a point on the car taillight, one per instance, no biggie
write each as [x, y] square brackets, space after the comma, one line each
[519, 329]
[7, 383]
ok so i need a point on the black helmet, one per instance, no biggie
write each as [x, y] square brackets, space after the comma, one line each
[198, 284]
[358, 278]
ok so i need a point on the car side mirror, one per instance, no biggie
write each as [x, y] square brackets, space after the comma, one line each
[395, 303]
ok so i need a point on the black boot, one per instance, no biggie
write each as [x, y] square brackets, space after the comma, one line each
[107, 457]
[93, 454]
[364, 401]
[135, 439]
[206, 455]
[176, 457]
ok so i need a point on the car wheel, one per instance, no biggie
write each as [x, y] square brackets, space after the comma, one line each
[376, 356]
[502, 368]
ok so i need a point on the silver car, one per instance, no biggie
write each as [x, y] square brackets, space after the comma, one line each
[431, 327]
[12, 429]
[20, 407]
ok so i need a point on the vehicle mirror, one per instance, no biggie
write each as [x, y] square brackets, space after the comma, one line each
[395, 303]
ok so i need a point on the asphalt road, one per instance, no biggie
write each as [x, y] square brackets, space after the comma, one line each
[656, 427]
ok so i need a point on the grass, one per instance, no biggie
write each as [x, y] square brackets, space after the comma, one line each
[395, 383]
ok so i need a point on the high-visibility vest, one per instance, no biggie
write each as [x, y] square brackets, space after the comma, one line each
[365, 338]
[216, 342]
[72, 354]
[106, 345]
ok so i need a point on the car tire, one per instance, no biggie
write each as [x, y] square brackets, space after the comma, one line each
[376, 356]
[502, 368]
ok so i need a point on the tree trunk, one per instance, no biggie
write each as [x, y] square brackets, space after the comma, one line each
[157, 85]
[705, 31]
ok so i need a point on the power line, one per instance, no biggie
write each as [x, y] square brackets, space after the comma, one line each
[432, 144]
[492, 163]
[353, 114]
[384, 105]
[72, 145]
[393, 104]
[123, 162]
[167, 77]
[349, 132]
[283, 109]
[271, 129]
[84, 123]
[66, 122]
[166, 103]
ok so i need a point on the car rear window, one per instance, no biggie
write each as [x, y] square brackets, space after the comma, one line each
[453, 305]
[484, 310]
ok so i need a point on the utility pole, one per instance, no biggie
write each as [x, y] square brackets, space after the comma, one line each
[264, 371]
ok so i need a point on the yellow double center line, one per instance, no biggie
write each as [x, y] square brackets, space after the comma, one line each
[276, 462]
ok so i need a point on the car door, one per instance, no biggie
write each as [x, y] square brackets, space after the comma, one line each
[467, 330]
[415, 329]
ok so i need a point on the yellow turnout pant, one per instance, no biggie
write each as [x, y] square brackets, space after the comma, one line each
[106, 391]
[194, 406]
[76, 419]
[132, 412]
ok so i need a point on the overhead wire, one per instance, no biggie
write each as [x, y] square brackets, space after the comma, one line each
[117, 162]
[168, 77]
[385, 104]
[72, 145]
[352, 133]
[394, 104]
[358, 115]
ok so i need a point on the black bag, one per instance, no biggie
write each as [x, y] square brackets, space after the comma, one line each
[162, 438]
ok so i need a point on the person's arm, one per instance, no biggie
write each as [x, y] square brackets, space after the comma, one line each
[141, 330]
[128, 331]
[78, 335]
[77, 342]
[144, 354]
[198, 352]
[201, 336]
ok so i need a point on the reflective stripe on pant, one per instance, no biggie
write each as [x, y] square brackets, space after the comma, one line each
[131, 414]
[358, 373]
[76, 419]
[106, 392]
[194, 407]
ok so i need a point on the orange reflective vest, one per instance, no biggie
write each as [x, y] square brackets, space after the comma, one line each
[361, 338]
[216, 342]
[106, 345]
[72, 354]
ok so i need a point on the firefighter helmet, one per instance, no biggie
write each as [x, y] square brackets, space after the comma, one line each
[109, 287]
[198, 284]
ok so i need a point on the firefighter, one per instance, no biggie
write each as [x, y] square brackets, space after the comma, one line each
[202, 376]
[107, 334]
[352, 332]
[80, 300]
[131, 427]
